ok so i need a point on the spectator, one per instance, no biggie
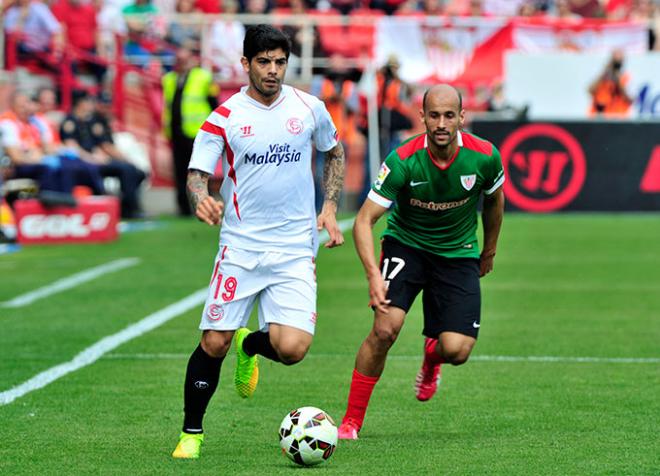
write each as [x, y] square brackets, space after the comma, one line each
[129, 175]
[298, 37]
[43, 119]
[111, 23]
[81, 36]
[88, 133]
[189, 96]
[185, 33]
[393, 104]
[47, 108]
[338, 90]
[37, 32]
[226, 44]
[146, 30]
[21, 142]
[608, 92]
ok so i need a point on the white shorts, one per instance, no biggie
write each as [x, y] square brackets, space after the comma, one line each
[284, 283]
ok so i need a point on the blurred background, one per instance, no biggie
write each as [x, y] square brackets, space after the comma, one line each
[95, 95]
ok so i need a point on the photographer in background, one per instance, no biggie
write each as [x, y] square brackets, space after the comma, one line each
[608, 93]
[394, 102]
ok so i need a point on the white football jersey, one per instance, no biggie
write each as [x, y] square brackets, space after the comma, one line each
[266, 154]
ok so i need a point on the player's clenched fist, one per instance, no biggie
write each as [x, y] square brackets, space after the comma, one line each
[210, 211]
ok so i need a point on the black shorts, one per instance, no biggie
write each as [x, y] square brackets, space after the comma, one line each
[451, 292]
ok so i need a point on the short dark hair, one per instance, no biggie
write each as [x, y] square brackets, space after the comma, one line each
[259, 38]
[460, 99]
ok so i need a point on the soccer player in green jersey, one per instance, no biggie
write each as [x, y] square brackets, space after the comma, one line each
[435, 181]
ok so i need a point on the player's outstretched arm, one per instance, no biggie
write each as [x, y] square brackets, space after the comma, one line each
[364, 244]
[206, 208]
[333, 183]
[491, 216]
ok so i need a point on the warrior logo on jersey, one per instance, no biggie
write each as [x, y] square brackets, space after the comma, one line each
[294, 126]
[468, 181]
[246, 131]
[382, 175]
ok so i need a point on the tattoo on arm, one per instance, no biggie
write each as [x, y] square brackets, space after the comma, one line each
[333, 173]
[197, 186]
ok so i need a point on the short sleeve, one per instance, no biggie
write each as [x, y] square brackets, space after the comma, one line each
[390, 180]
[495, 173]
[325, 134]
[9, 134]
[207, 149]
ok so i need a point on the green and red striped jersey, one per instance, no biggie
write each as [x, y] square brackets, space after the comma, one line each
[435, 206]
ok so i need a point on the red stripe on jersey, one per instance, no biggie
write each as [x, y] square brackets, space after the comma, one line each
[223, 111]
[232, 171]
[478, 145]
[410, 147]
[213, 129]
[238, 214]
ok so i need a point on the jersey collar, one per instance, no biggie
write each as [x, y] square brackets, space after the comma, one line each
[283, 95]
[459, 139]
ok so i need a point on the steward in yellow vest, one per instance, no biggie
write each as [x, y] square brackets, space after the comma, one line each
[189, 96]
[195, 106]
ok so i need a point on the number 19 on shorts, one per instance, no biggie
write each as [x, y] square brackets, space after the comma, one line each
[228, 287]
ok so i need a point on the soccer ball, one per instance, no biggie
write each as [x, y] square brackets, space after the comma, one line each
[308, 436]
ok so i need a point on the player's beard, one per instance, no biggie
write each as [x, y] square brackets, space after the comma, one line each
[259, 85]
[446, 140]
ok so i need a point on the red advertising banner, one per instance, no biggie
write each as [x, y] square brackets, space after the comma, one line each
[94, 219]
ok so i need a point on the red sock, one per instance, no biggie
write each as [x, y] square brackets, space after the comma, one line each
[431, 356]
[358, 397]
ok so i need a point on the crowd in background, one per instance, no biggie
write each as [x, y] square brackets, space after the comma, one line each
[67, 154]
[89, 27]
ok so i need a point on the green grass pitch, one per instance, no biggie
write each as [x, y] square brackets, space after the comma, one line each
[564, 286]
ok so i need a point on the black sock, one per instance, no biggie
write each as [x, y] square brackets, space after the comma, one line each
[202, 378]
[259, 343]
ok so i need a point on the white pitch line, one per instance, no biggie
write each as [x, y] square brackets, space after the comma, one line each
[94, 352]
[105, 345]
[70, 282]
[474, 358]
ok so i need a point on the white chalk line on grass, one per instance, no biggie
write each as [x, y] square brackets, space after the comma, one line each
[70, 282]
[474, 358]
[105, 345]
[94, 352]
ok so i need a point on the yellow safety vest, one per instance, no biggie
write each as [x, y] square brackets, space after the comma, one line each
[195, 107]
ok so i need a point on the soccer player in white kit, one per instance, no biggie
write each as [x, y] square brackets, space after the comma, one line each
[268, 241]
